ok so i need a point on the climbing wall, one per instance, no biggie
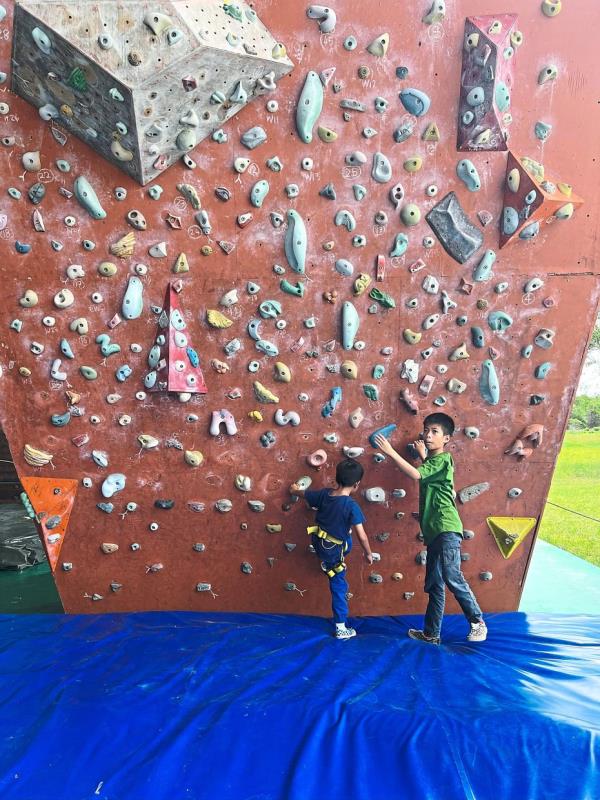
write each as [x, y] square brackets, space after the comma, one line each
[327, 265]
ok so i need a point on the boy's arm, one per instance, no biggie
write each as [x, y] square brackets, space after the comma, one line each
[407, 468]
[364, 541]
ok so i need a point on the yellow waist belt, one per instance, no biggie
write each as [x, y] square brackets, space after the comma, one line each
[315, 530]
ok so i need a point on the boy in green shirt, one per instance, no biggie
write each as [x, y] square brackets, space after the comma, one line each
[441, 528]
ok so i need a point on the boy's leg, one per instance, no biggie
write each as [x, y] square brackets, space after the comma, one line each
[338, 586]
[455, 580]
[434, 587]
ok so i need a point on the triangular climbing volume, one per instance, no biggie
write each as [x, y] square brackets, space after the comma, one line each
[530, 198]
[174, 364]
[51, 499]
[509, 532]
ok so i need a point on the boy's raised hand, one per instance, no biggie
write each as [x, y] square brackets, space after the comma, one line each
[295, 489]
[383, 444]
[368, 557]
[419, 446]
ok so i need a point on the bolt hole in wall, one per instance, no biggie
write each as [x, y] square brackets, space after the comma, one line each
[211, 274]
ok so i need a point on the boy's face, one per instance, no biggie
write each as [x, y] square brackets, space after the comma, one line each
[434, 437]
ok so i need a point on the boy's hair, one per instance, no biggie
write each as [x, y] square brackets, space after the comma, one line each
[445, 422]
[348, 472]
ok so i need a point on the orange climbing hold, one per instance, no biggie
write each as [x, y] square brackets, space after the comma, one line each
[509, 532]
[52, 500]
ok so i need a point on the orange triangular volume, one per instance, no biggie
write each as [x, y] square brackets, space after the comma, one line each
[509, 532]
[178, 368]
[531, 198]
[52, 500]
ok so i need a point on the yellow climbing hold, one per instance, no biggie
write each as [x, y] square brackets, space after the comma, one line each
[534, 168]
[124, 247]
[413, 164]
[565, 212]
[279, 51]
[509, 532]
[255, 416]
[217, 320]
[431, 133]
[193, 457]
[107, 269]
[281, 372]
[326, 134]
[361, 283]
[35, 457]
[181, 264]
[263, 394]
[379, 46]
[411, 337]
[513, 180]
[148, 441]
[565, 188]
[551, 8]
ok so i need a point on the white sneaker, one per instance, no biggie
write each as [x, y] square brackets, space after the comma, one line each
[345, 633]
[478, 632]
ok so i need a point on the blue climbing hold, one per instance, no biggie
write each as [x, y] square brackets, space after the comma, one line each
[415, 101]
[489, 386]
[330, 405]
[386, 431]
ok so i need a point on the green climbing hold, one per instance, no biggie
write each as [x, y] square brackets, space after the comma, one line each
[382, 298]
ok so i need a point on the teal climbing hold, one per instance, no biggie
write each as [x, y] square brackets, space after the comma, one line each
[477, 336]
[133, 303]
[489, 386]
[502, 96]
[415, 101]
[499, 320]
[87, 198]
[483, 270]
[467, 172]
[350, 325]
[542, 370]
[309, 106]
[400, 245]
[258, 193]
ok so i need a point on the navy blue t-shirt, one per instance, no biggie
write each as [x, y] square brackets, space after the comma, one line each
[334, 514]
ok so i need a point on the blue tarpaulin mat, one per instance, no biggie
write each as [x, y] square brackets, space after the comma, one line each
[187, 706]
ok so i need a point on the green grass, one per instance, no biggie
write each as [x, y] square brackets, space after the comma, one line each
[575, 485]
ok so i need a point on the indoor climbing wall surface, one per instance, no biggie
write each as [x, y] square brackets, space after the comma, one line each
[349, 246]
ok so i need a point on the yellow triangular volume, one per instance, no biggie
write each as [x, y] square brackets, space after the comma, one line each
[431, 133]
[509, 532]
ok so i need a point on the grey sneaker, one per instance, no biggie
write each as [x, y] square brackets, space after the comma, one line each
[421, 636]
[345, 633]
[478, 632]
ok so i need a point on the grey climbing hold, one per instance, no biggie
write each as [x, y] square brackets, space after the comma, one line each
[344, 267]
[253, 137]
[457, 235]
[328, 192]
[542, 130]
[382, 169]
[544, 338]
[296, 242]
[489, 386]
[473, 491]
[404, 132]
[359, 192]
[113, 483]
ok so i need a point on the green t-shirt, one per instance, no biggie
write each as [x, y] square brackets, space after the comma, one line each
[437, 509]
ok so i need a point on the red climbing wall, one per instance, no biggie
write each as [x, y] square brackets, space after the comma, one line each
[563, 256]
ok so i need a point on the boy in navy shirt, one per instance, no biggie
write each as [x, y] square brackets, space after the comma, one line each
[337, 514]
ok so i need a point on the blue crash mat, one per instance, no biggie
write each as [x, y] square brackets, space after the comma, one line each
[187, 706]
